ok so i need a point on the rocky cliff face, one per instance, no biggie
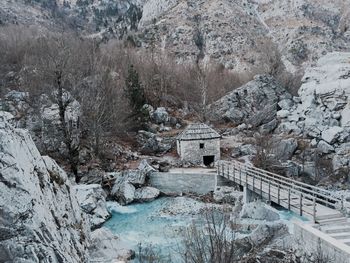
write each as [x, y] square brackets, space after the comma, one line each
[323, 114]
[242, 35]
[255, 103]
[40, 219]
[306, 134]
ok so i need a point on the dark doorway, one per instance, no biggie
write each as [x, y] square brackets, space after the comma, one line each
[208, 160]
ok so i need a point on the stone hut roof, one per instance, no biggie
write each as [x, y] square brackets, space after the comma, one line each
[198, 131]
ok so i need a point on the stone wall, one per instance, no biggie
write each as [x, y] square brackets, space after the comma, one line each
[190, 150]
[178, 183]
[311, 240]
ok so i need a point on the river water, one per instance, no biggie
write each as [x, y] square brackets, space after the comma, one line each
[144, 225]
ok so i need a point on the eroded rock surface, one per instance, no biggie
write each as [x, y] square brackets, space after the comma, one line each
[41, 220]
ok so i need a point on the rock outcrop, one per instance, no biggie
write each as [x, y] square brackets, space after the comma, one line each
[322, 115]
[41, 220]
[255, 103]
[129, 185]
[41, 119]
[92, 200]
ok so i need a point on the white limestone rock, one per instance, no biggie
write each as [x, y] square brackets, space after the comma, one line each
[259, 211]
[40, 216]
[123, 193]
[146, 194]
[227, 195]
[331, 134]
[285, 148]
[324, 147]
[286, 104]
[146, 167]
[106, 247]
[92, 200]
[160, 115]
[254, 103]
[282, 114]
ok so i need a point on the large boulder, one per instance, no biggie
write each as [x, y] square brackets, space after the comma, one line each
[160, 116]
[40, 217]
[92, 200]
[123, 192]
[106, 247]
[150, 143]
[259, 211]
[146, 194]
[267, 232]
[254, 103]
[227, 195]
[285, 148]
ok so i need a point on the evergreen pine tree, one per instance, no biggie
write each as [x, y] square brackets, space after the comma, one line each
[134, 90]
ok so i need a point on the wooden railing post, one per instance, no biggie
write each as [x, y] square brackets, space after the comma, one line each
[314, 209]
[278, 193]
[269, 191]
[288, 198]
[342, 202]
[253, 182]
[240, 175]
[301, 204]
[261, 191]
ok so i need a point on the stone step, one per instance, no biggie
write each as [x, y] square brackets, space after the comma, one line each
[330, 229]
[329, 216]
[342, 235]
[332, 221]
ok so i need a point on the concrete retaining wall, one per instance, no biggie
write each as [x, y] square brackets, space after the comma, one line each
[177, 183]
[312, 240]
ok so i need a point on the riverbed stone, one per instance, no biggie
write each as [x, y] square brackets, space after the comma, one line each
[259, 211]
[146, 194]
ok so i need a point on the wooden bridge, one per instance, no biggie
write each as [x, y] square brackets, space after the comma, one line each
[311, 202]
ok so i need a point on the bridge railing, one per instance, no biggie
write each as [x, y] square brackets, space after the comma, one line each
[307, 194]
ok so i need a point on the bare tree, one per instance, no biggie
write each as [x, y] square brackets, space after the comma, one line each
[55, 67]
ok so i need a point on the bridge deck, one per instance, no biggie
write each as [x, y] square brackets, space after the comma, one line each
[309, 201]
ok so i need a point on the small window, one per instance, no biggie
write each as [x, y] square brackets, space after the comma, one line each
[201, 146]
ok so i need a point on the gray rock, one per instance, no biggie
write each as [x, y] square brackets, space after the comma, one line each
[248, 149]
[145, 167]
[106, 247]
[151, 143]
[92, 200]
[268, 127]
[227, 195]
[123, 193]
[259, 211]
[146, 194]
[160, 115]
[254, 103]
[331, 134]
[135, 177]
[267, 232]
[286, 104]
[325, 147]
[283, 113]
[40, 216]
[284, 149]
[148, 110]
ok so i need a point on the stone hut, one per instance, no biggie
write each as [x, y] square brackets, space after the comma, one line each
[199, 144]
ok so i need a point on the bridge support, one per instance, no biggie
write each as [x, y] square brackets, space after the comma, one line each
[249, 196]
